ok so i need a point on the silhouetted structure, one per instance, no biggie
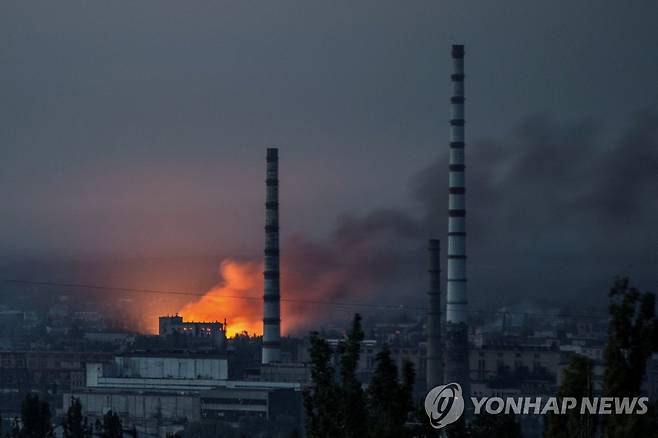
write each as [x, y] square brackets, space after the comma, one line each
[271, 306]
[456, 300]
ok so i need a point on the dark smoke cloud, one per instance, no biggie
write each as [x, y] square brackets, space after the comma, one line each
[557, 187]
[555, 211]
[367, 259]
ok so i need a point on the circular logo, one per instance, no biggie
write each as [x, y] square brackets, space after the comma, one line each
[444, 405]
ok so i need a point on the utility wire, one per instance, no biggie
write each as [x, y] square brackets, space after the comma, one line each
[201, 294]
[290, 300]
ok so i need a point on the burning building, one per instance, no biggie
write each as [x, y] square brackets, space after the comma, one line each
[215, 332]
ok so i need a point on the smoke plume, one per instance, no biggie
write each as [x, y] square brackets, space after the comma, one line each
[554, 212]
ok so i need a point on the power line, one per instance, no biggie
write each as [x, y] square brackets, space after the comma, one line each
[291, 300]
[201, 294]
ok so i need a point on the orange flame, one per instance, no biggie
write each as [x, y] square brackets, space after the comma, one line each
[237, 298]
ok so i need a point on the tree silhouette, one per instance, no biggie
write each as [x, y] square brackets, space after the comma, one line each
[35, 418]
[353, 409]
[112, 427]
[576, 383]
[389, 402]
[337, 406]
[632, 339]
[321, 403]
[73, 422]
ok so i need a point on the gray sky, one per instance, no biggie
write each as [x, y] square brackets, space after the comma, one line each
[139, 127]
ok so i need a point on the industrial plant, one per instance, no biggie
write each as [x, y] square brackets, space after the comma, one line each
[191, 372]
[220, 238]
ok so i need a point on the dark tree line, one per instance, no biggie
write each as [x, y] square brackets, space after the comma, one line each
[577, 383]
[75, 425]
[483, 425]
[337, 405]
[35, 419]
[632, 339]
[36, 422]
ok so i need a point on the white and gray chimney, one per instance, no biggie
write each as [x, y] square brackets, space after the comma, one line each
[456, 339]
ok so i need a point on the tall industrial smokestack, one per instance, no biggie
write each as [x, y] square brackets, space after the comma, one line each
[457, 364]
[434, 351]
[271, 308]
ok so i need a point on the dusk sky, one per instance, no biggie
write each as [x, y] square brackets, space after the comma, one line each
[139, 128]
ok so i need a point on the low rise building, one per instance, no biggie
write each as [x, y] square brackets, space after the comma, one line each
[215, 332]
[499, 368]
[154, 371]
[160, 393]
[236, 403]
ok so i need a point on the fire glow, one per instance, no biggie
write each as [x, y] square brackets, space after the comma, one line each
[237, 298]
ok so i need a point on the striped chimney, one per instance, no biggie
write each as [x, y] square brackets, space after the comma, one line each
[271, 307]
[434, 348]
[457, 366]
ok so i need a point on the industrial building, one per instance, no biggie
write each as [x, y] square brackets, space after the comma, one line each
[209, 333]
[153, 413]
[51, 372]
[294, 372]
[503, 368]
[156, 413]
[153, 371]
[400, 353]
[235, 403]
[159, 393]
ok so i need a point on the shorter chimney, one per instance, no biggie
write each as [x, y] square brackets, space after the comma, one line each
[434, 347]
